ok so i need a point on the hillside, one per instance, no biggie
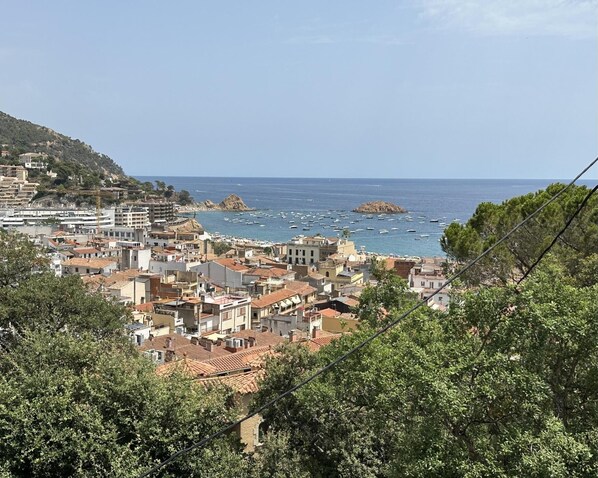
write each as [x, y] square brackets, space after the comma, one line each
[20, 136]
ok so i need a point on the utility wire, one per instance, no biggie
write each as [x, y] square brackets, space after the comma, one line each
[556, 238]
[365, 342]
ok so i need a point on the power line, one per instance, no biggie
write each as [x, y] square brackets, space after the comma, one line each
[365, 342]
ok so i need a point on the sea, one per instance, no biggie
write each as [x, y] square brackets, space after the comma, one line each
[288, 207]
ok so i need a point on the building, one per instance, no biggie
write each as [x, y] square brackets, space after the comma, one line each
[16, 192]
[158, 211]
[311, 250]
[11, 171]
[81, 266]
[339, 274]
[134, 217]
[280, 302]
[425, 278]
[225, 314]
[34, 160]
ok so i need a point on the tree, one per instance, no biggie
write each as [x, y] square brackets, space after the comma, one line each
[76, 406]
[160, 185]
[346, 234]
[53, 304]
[19, 258]
[184, 198]
[490, 222]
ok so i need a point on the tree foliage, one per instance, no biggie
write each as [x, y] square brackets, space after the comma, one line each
[490, 222]
[81, 407]
[19, 258]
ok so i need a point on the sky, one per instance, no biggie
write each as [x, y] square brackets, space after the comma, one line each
[398, 89]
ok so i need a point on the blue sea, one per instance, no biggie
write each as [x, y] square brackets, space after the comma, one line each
[324, 206]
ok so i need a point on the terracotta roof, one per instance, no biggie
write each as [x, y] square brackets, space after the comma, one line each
[85, 250]
[330, 312]
[183, 347]
[241, 383]
[147, 307]
[232, 264]
[269, 272]
[302, 288]
[316, 344]
[98, 263]
[272, 298]
[94, 282]
[187, 366]
[240, 360]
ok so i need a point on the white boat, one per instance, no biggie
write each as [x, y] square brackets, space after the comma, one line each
[411, 230]
[383, 231]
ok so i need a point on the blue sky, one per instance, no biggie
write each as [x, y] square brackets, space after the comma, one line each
[413, 88]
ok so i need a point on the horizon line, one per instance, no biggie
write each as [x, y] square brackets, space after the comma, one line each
[365, 178]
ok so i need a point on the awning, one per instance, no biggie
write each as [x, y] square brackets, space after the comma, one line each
[295, 300]
[286, 303]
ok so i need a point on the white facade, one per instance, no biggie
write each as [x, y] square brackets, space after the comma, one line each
[131, 216]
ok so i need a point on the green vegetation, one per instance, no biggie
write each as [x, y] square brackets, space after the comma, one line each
[490, 222]
[24, 137]
[77, 167]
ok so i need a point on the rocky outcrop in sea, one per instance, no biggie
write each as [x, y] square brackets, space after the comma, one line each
[379, 207]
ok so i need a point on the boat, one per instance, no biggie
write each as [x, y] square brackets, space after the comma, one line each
[383, 231]
[293, 227]
[370, 228]
[434, 220]
[411, 230]
[424, 235]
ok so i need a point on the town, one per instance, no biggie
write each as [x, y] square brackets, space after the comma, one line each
[212, 316]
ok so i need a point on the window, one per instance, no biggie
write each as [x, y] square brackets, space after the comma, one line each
[76, 269]
[304, 252]
[312, 252]
[327, 274]
[423, 284]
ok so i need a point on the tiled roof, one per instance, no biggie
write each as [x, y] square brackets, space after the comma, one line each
[232, 264]
[241, 383]
[271, 299]
[98, 263]
[316, 344]
[329, 312]
[269, 272]
[187, 366]
[301, 288]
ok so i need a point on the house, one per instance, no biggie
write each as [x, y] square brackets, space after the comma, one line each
[339, 274]
[283, 301]
[81, 266]
[425, 278]
[226, 313]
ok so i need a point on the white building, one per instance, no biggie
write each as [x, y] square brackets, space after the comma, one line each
[135, 217]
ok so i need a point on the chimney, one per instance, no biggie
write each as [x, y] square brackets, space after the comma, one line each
[168, 343]
[315, 333]
[293, 335]
[251, 341]
[209, 346]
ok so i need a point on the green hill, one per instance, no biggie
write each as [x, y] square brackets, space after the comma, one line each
[20, 136]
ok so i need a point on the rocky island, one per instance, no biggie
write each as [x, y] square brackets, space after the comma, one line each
[379, 207]
[230, 203]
